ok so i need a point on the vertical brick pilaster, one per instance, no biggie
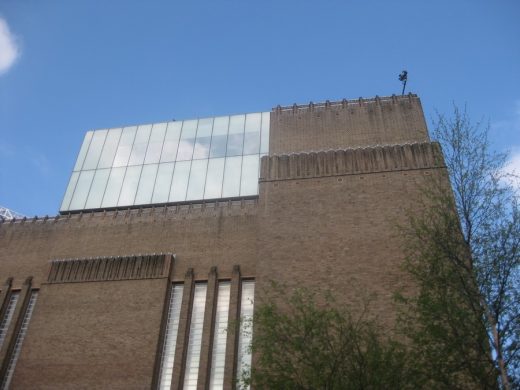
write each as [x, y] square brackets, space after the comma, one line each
[232, 335]
[4, 296]
[208, 330]
[16, 324]
[184, 330]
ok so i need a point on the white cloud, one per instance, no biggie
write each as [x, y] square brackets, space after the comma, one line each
[508, 130]
[9, 50]
[512, 169]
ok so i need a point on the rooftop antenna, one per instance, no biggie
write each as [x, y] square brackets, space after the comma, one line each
[7, 214]
[403, 77]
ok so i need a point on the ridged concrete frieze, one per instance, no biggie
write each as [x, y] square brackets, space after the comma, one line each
[108, 268]
[352, 161]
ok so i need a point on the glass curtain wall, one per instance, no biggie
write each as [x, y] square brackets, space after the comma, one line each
[246, 330]
[218, 356]
[170, 339]
[190, 160]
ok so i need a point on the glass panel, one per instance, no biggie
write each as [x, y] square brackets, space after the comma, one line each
[83, 151]
[197, 179]
[252, 134]
[249, 182]
[97, 190]
[153, 154]
[214, 178]
[170, 339]
[82, 189]
[231, 185]
[171, 142]
[187, 142]
[218, 356]
[113, 187]
[19, 340]
[246, 329]
[236, 135]
[94, 150]
[203, 141]
[109, 149]
[264, 144]
[180, 181]
[210, 150]
[140, 144]
[146, 184]
[163, 182]
[125, 146]
[129, 188]
[219, 137]
[191, 373]
[70, 190]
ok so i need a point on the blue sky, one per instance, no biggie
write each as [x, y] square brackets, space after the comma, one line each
[70, 66]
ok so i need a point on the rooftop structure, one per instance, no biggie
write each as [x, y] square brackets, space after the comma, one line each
[8, 215]
[162, 163]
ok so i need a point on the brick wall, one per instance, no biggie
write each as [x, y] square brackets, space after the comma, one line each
[323, 220]
[347, 123]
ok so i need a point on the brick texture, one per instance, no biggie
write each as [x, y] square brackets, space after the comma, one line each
[324, 220]
[349, 123]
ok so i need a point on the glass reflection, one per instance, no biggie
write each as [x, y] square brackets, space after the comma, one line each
[94, 150]
[81, 191]
[125, 146]
[218, 356]
[109, 149]
[231, 186]
[213, 189]
[162, 183]
[171, 142]
[140, 143]
[252, 134]
[219, 137]
[180, 181]
[70, 190]
[200, 159]
[203, 141]
[197, 179]
[146, 184]
[129, 188]
[187, 141]
[113, 187]
[249, 181]
[195, 337]
[236, 135]
[172, 328]
[153, 153]
[97, 190]
[83, 151]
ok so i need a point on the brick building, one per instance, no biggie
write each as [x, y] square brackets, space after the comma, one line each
[168, 231]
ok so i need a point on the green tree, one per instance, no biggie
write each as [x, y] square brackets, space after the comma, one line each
[306, 344]
[464, 253]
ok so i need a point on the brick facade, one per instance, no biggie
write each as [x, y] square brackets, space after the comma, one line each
[336, 184]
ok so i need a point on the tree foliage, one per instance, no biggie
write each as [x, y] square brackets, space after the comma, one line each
[306, 344]
[464, 253]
